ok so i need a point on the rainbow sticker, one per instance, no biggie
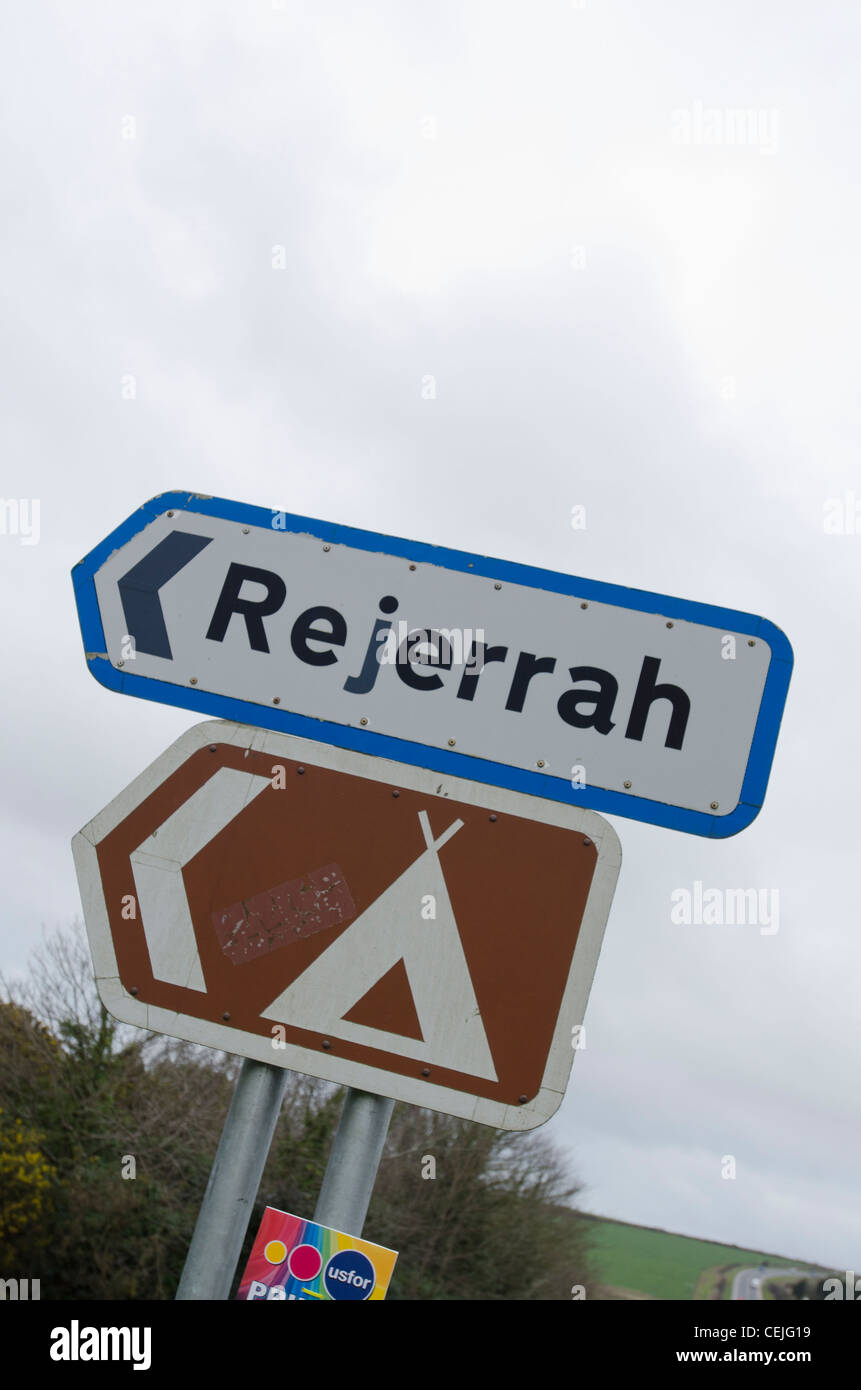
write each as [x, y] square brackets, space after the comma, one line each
[296, 1259]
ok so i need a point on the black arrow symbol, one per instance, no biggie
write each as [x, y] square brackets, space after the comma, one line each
[139, 590]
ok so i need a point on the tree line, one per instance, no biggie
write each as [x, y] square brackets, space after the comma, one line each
[107, 1136]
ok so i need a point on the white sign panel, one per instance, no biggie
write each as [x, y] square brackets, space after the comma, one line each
[632, 703]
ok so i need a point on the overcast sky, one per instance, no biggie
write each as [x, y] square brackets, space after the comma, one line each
[628, 300]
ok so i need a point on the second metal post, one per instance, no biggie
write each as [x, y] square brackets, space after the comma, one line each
[353, 1162]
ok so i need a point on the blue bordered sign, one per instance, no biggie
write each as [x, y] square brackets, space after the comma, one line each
[627, 702]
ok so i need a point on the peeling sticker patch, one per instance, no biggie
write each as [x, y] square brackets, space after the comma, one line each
[292, 911]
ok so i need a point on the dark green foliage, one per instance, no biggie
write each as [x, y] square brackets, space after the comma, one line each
[105, 1100]
[488, 1225]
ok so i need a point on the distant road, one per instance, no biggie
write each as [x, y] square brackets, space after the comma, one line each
[743, 1285]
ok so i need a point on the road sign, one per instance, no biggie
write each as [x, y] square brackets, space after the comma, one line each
[296, 1259]
[388, 928]
[591, 694]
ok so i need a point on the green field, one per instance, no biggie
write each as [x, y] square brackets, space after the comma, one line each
[633, 1261]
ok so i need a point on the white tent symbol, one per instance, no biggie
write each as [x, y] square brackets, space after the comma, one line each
[392, 930]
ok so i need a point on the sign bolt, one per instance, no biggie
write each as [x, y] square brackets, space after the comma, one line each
[193, 680]
[245, 530]
[395, 793]
[425, 1071]
[492, 817]
[363, 720]
[584, 605]
[412, 567]
[225, 1017]
[327, 547]
[587, 841]
[276, 699]
[133, 990]
[212, 748]
[627, 784]
[540, 762]
[300, 770]
[121, 663]
[497, 586]
[714, 805]
[326, 1044]
[451, 743]
[523, 1099]
[669, 625]
[751, 642]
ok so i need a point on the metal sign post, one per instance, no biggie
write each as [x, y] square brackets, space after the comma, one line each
[238, 1168]
[233, 1183]
[353, 1162]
